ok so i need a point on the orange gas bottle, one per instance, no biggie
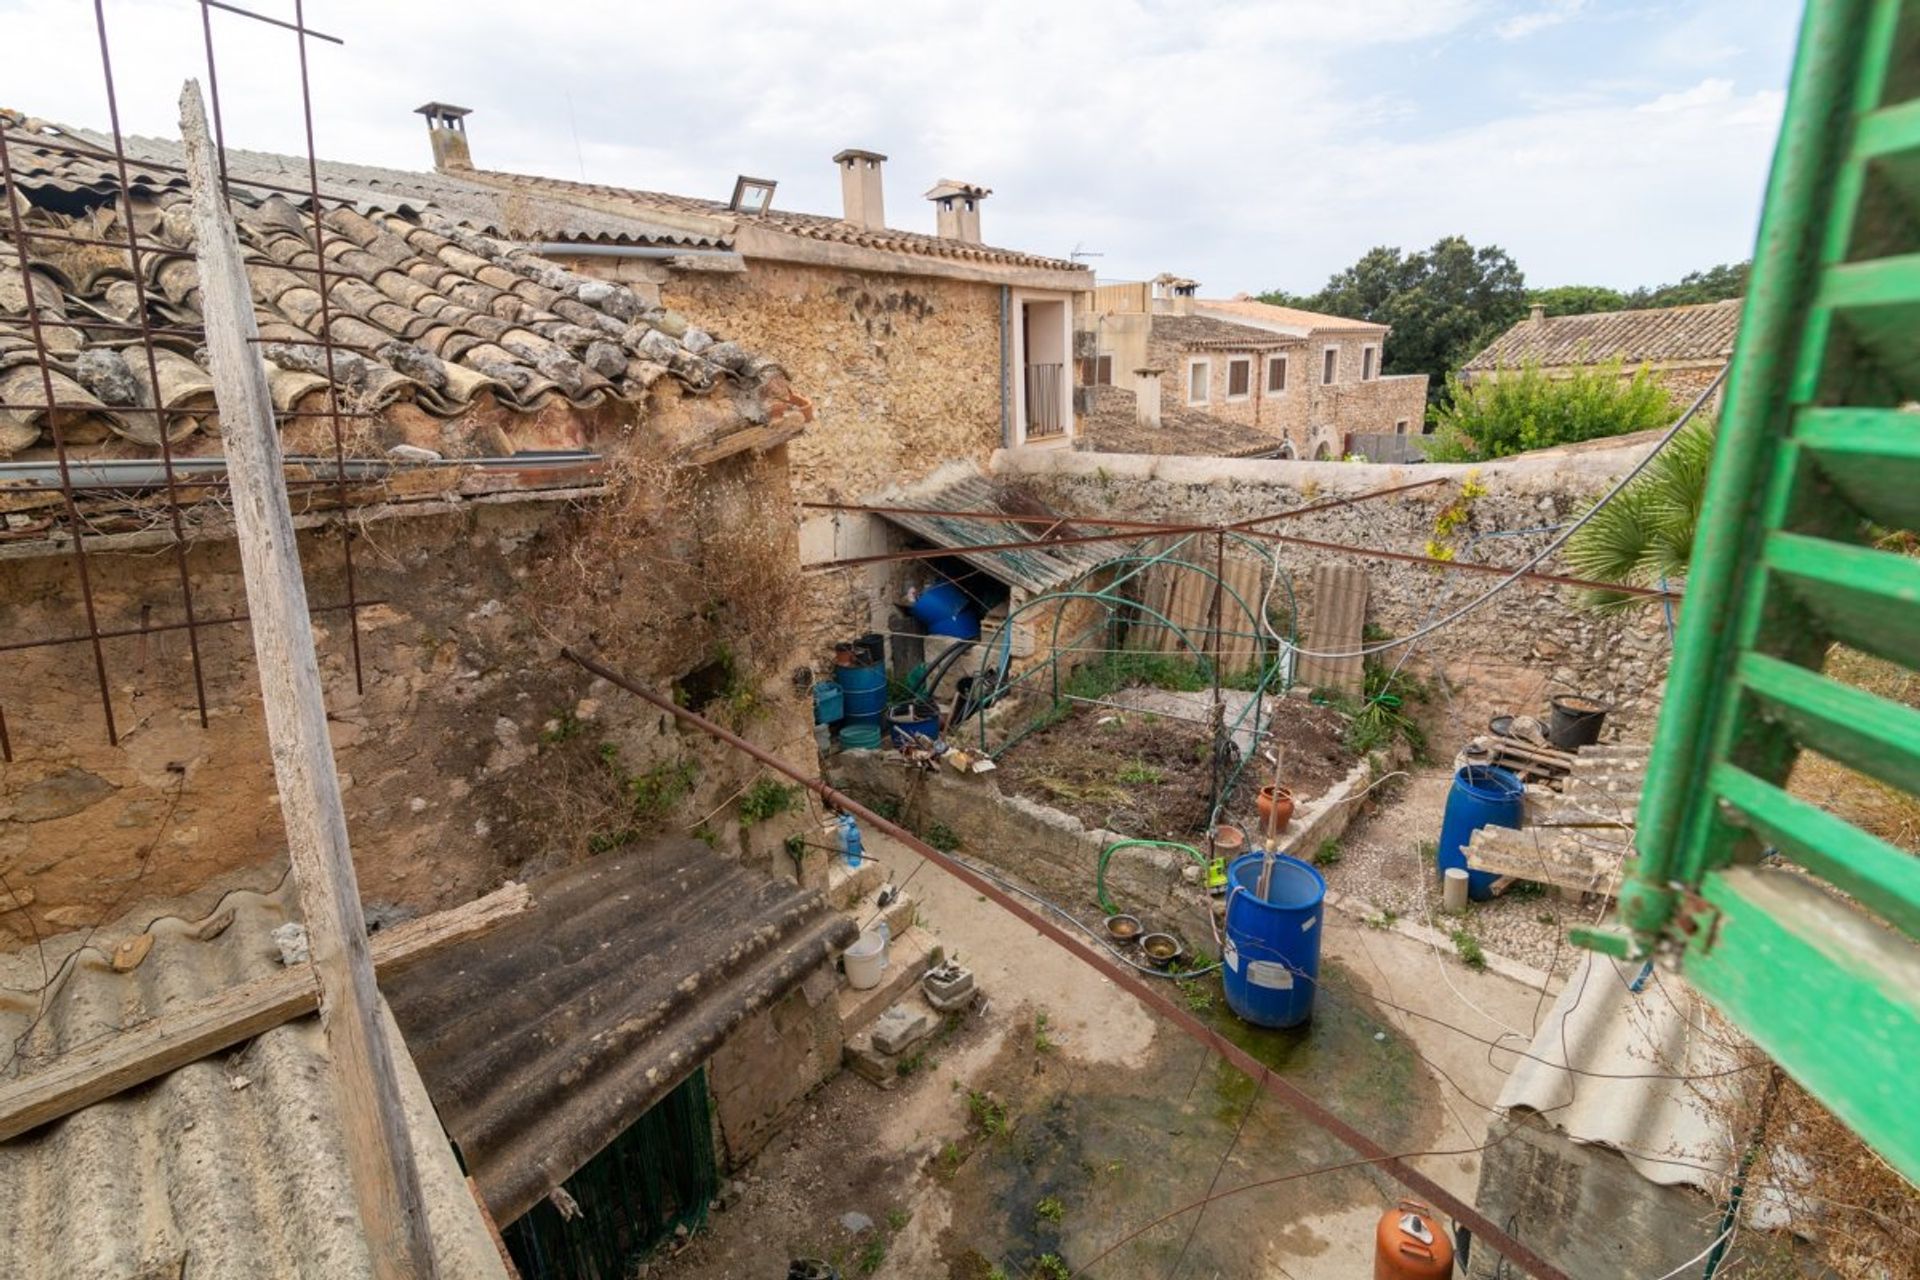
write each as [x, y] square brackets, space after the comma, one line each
[1409, 1244]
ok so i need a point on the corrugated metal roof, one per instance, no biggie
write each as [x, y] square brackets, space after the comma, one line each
[960, 486]
[1635, 1043]
[232, 1168]
[1704, 331]
[545, 1039]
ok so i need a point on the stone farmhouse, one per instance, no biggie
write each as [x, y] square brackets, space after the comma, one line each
[1683, 347]
[1309, 382]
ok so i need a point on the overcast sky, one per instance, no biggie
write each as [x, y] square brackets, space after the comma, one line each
[1247, 144]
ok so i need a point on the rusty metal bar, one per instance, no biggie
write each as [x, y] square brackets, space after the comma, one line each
[1078, 539]
[6, 743]
[1242, 526]
[153, 366]
[14, 196]
[1408, 557]
[326, 327]
[1001, 517]
[148, 629]
[298, 25]
[1298, 1099]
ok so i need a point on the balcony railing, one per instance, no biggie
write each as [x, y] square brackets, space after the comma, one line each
[1043, 401]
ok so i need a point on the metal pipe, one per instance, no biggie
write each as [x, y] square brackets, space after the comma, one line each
[1128, 981]
[1006, 367]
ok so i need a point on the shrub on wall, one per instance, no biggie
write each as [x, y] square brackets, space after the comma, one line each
[1523, 409]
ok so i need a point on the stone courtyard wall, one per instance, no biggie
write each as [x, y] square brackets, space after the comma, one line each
[1510, 655]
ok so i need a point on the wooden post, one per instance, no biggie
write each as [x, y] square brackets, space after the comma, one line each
[386, 1183]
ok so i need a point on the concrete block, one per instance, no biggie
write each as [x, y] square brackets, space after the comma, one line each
[869, 1063]
[846, 886]
[948, 987]
[901, 1026]
[907, 958]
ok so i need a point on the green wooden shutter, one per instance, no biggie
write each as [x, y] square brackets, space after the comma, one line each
[1796, 924]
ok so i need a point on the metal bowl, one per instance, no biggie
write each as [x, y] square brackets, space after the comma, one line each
[1161, 949]
[1123, 929]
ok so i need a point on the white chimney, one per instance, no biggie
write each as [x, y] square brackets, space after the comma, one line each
[957, 209]
[1146, 396]
[860, 188]
[447, 131]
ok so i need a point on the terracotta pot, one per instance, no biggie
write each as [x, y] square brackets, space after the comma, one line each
[1272, 799]
[843, 655]
[1229, 842]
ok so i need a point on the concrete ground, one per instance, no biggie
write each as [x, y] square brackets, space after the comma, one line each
[1065, 1117]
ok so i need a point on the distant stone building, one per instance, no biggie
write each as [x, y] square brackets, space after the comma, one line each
[1683, 347]
[1310, 382]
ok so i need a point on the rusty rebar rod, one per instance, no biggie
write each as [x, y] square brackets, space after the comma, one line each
[1121, 976]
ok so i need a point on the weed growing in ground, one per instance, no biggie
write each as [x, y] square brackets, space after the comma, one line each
[897, 1219]
[950, 1159]
[871, 1256]
[1050, 1209]
[1328, 854]
[767, 799]
[1547, 918]
[1429, 851]
[1469, 950]
[988, 1112]
[887, 807]
[1048, 1266]
[1196, 994]
[1382, 921]
[942, 837]
[1042, 1043]
[562, 727]
[1140, 773]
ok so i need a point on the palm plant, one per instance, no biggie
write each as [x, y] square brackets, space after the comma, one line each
[1645, 534]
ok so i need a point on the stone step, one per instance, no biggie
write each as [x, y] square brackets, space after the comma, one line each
[870, 1063]
[849, 887]
[908, 958]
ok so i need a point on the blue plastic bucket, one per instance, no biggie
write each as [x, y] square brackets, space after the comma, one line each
[863, 693]
[828, 705]
[1271, 963]
[1482, 796]
[944, 610]
[905, 718]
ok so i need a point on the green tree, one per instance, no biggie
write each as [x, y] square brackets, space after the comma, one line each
[1578, 299]
[1444, 303]
[1522, 409]
[1646, 533]
[1715, 284]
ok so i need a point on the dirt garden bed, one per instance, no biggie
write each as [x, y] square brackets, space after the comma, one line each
[1148, 774]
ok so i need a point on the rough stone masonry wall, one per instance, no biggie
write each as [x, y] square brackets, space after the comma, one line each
[904, 375]
[454, 771]
[1530, 642]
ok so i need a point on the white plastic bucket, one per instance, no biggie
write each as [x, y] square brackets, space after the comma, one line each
[866, 958]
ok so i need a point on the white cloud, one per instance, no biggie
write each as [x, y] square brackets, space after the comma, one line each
[1246, 143]
[1553, 14]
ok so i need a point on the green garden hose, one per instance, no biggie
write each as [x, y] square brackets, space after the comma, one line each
[1106, 854]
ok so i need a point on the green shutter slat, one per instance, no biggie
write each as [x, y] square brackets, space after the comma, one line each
[1870, 734]
[1878, 283]
[1888, 133]
[1872, 456]
[1864, 598]
[1883, 877]
[1825, 991]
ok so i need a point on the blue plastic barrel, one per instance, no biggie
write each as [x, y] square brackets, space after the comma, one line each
[1482, 796]
[1271, 963]
[944, 610]
[863, 692]
[904, 718]
[828, 705]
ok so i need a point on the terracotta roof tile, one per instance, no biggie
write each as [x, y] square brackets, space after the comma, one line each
[1704, 331]
[1286, 319]
[442, 316]
[1114, 427]
[1195, 333]
[810, 225]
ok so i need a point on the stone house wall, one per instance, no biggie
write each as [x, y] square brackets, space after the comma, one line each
[1531, 641]
[467, 759]
[1309, 414]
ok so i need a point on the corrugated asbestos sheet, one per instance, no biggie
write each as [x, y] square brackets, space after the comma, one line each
[962, 487]
[548, 1037]
[1633, 1044]
[1336, 621]
[229, 1169]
